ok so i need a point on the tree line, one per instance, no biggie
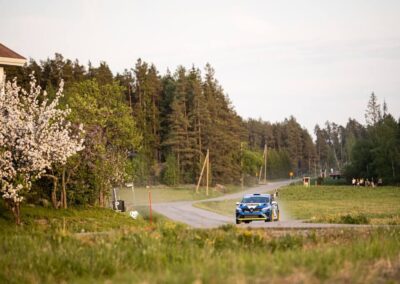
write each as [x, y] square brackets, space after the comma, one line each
[355, 150]
[369, 151]
[149, 128]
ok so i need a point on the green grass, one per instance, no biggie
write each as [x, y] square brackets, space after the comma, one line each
[330, 204]
[140, 196]
[225, 207]
[343, 204]
[50, 248]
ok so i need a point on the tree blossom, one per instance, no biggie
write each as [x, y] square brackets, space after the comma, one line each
[34, 135]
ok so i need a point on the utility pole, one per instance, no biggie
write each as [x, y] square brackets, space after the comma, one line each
[315, 168]
[265, 162]
[208, 169]
[265, 166]
[241, 164]
[150, 209]
[206, 164]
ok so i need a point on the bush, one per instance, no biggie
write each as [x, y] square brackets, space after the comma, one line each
[357, 219]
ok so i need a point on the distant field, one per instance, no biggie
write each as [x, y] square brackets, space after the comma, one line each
[140, 196]
[343, 204]
[331, 204]
[225, 207]
[101, 246]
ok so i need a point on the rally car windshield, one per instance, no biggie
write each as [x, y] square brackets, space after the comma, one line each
[255, 199]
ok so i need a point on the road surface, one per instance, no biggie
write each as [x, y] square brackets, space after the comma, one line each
[185, 212]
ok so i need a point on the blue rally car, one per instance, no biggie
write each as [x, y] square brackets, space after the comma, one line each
[257, 207]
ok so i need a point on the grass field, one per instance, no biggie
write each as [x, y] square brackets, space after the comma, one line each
[343, 204]
[140, 196]
[98, 245]
[225, 207]
[331, 204]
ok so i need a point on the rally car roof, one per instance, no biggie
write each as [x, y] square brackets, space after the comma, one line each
[257, 194]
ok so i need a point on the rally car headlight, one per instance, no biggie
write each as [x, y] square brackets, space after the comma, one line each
[265, 209]
[238, 209]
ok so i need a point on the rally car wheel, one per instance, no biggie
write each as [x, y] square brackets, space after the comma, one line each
[271, 218]
[247, 222]
[238, 222]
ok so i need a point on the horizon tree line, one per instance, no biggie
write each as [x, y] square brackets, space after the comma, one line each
[154, 128]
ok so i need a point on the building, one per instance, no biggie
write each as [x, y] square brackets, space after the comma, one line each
[9, 57]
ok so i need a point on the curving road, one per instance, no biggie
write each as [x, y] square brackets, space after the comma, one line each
[185, 212]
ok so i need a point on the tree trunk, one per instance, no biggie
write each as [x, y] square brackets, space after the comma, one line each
[17, 213]
[179, 167]
[101, 197]
[64, 190]
[15, 209]
[393, 171]
[130, 96]
[54, 200]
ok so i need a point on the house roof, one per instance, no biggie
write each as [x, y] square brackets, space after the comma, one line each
[10, 57]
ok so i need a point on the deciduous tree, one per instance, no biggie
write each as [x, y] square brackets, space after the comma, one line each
[34, 135]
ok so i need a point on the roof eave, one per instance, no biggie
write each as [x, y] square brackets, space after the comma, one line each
[12, 61]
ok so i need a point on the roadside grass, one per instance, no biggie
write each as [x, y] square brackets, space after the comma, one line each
[140, 196]
[76, 220]
[115, 248]
[224, 207]
[330, 204]
[343, 204]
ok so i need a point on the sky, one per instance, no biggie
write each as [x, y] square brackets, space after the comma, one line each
[316, 60]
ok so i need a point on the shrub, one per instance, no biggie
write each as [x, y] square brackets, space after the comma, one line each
[357, 219]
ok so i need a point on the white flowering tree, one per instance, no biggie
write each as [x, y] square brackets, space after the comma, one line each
[34, 135]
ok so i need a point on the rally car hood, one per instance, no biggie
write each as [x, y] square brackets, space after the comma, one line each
[253, 205]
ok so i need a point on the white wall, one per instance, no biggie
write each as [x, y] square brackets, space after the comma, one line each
[2, 78]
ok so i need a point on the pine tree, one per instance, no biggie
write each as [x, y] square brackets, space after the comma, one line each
[145, 104]
[322, 148]
[223, 135]
[373, 112]
[199, 117]
[180, 139]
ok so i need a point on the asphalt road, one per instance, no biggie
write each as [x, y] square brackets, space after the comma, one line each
[185, 212]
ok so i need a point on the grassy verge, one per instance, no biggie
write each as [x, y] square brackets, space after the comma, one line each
[225, 207]
[51, 248]
[343, 204]
[331, 204]
[159, 194]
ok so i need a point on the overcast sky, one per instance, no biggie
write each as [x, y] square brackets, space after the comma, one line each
[316, 60]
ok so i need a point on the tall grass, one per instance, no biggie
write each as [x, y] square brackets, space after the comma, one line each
[343, 204]
[116, 248]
